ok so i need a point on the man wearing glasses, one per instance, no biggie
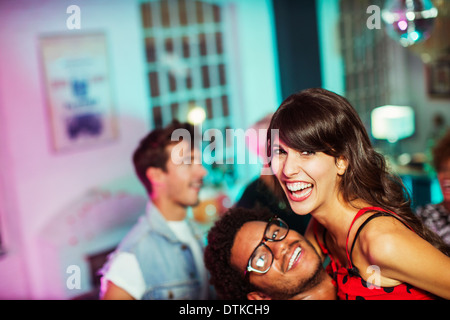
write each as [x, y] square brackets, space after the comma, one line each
[253, 255]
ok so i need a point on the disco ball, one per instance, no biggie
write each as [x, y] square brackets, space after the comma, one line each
[409, 21]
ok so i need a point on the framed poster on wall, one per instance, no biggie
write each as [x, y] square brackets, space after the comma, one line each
[78, 90]
[438, 78]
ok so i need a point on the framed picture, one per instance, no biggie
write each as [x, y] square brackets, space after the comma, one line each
[78, 90]
[438, 78]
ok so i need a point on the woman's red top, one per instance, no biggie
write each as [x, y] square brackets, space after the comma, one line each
[351, 286]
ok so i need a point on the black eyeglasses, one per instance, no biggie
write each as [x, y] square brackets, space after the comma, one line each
[262, 257]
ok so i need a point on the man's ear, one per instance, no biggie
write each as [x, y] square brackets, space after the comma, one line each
[154, 175]
[257, 295]
[341, 164]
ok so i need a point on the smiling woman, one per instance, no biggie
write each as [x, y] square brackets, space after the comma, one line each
[325, 164]
[319, 171]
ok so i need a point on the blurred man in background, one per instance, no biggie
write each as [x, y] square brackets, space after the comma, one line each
[162, 256]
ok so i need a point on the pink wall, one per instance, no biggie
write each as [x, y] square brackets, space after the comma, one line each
[36, 182]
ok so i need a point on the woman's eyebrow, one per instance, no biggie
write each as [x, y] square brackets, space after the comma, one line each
[276, 145]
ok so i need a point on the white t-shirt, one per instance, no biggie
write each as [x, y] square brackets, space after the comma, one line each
[124, 270]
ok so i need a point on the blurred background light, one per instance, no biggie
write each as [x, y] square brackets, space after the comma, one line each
[392, 123]
[409, 21]
[196, 115]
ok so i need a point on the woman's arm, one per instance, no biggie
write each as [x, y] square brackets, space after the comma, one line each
[404, 256]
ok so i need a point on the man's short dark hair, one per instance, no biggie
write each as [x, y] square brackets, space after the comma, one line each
[152, 152]
[229, 282]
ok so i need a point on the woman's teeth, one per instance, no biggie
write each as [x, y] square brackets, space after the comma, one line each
[296, 186]
[299, 189]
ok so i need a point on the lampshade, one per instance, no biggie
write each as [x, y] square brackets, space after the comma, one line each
[392, 123]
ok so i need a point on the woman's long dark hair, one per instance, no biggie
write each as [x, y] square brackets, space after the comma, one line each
[321, 121]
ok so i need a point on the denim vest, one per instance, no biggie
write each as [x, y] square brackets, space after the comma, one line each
[167, 264]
